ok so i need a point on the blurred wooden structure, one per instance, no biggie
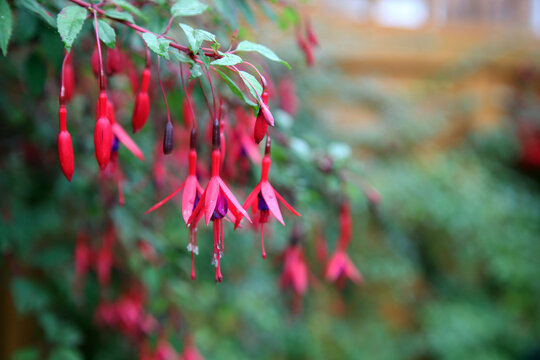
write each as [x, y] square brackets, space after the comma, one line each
[490, 39]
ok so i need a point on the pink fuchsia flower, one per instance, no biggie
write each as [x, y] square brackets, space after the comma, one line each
[340, 266]
[190, 199]
[267, 198]
[295, 272]
[190, 351]
[104, 257]
[216, 202]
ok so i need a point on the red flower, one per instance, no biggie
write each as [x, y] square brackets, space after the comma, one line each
[295, 271]
[267, 198]
[307, 48]
[262, 121]
[340, 266]
[216, 202]
[103, 133]
[190, 199]
[190, 351]
[68, 77]
[104, 257]
[142, 104]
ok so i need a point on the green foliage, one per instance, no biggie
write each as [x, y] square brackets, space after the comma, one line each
[120, 15]
[5, 25]
[196, 37]
[188, 8]
[70, 21]
[227, 60]
[158, 45]
[36, 8]
[106, 33]
[261, 49]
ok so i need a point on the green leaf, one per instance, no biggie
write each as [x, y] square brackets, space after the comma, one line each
[30, 353]
[70, 21]
[6, 23]
[119, 15]
[195, 71]
[196, 37]
[205, 59]
[180, 56]
[254, 87]
[227, 60]
[36, 8]
[188, 8]
[29, 296]
[106, 33]
[65, 353]
[131, 9]
[158, 45]
[261, 49]
[236, 90]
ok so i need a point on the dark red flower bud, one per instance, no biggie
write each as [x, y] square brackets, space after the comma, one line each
[307, 48]
[65, 147]
[114, 61]
[168, 139]
[103, 133]
[312, 38]
[260, 128]
[142, 104]
[95, 61]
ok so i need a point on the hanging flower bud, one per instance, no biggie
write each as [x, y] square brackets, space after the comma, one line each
[94, 60]
[65, 147]
[312, 38]
[68, 76]
[264, 118]
[142, 104]
[113, 64]
[168, 139]
[103, 135]
[307, 48]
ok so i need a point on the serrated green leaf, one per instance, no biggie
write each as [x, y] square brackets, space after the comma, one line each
[196, 37]
[227, 60]
[158, 45]
[236, 90]
[188, 8]
[254, 87]
[119, 15]
[261, 49]
[36, 8]
[106, 33]
[195, 71]
[179, 56]
[6, 23]
[130, 8]
[70, 21]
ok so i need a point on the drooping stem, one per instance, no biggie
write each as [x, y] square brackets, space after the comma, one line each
[263, 79]
[98, 43]
[207, 52]
[163, 92]
[186, 92]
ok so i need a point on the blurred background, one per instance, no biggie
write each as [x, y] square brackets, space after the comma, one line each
[431, 111]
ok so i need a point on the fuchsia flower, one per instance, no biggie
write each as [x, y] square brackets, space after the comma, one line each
[267, 198]
[190, 351]
[104, 257]
[216, 202]
[295, 272]
[190, 199]
[340, 267]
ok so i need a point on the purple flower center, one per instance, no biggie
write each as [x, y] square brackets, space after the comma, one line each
[115, 145]
[222, 206]
[262, 203]
[196, 202]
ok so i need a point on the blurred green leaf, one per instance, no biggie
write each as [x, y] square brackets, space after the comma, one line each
[70, 21]
[37, 9]
[261, 49]
[5, 25]
[188, 8]
[119, 15]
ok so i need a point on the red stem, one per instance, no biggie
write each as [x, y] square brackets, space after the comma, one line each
[207, 52]
[101, 73]
[163, 91]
